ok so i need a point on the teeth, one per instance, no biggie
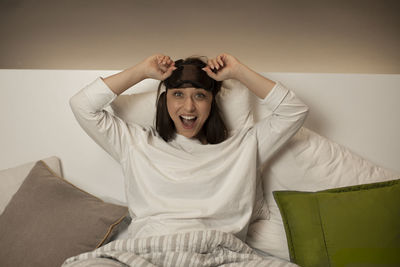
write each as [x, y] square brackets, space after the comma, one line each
[188, 117]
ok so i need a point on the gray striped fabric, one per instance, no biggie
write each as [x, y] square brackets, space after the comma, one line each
[197, 248]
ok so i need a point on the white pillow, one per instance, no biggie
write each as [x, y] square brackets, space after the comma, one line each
[12, 178]
[139, 104]
[308, 162]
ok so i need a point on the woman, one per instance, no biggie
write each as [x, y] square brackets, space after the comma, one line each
[194, 175]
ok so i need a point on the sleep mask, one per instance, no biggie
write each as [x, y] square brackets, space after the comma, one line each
[189, 73]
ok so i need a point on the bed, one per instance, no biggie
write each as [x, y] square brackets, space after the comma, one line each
[346, 155]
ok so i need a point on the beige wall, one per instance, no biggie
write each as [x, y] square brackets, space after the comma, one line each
[342, 36]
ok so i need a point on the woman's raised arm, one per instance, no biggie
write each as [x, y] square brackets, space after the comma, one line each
[288, 112]
[88, 105]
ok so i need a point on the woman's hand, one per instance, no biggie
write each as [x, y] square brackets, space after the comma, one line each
[157, 67]
[226, 66]
[223, 67]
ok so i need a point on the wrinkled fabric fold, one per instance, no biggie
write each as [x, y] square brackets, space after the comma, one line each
[196, 248]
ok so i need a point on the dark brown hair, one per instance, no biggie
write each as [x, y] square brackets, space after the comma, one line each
[189, 73]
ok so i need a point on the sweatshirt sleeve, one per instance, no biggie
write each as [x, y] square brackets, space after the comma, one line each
[107, 130]
[288, 115]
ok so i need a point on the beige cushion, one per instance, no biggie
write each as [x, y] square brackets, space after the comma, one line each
[12, 178]
[49, 220]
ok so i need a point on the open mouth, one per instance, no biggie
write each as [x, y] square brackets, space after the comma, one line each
[188, 121]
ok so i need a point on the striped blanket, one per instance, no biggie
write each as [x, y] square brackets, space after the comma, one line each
[197, 248]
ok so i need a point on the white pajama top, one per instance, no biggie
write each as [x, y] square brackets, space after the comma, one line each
[183, 185]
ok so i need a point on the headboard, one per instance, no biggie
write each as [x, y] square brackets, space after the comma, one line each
[358, 111]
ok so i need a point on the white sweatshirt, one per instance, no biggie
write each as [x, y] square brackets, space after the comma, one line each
[183, 185]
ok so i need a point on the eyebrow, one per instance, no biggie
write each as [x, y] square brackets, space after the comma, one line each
[197, 88]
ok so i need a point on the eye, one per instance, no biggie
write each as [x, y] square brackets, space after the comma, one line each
[200, 96]
[177, 94]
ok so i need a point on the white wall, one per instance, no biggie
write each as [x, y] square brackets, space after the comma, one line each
[356, 110]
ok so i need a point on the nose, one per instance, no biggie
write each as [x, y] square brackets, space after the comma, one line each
[189, 105]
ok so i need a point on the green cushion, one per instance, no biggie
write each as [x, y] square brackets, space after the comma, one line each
[349, 226]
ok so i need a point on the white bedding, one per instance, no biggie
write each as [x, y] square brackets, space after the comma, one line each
[196, 248]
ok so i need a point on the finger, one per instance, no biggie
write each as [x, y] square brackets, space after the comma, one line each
[209, 72]
[161, 64]
[168, 61]
[162, 60]
[168, 73]
[165, 64]
[210, 64]
[158, 60]
[220, 61]
[206, 68]
[216, 64]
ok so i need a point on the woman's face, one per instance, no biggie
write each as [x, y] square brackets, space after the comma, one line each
[189, 109]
